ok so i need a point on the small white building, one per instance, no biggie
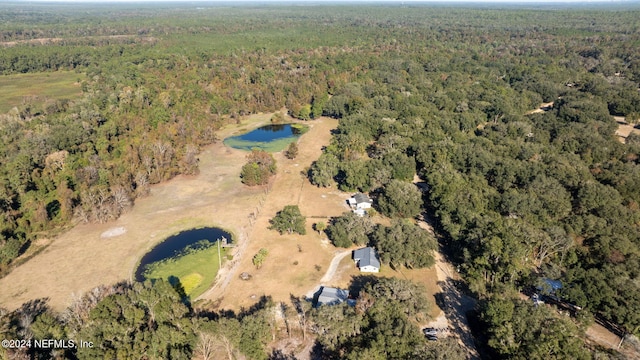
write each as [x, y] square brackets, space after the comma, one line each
[360, 201]
[366, 259]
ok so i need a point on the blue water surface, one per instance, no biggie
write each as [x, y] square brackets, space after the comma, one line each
[262, 136]
[269, 133]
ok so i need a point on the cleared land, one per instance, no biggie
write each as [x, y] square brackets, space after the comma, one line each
[288, 269]
[81, 259]
[543, 107]
[84, 258]
[14, 89]
[624, 129]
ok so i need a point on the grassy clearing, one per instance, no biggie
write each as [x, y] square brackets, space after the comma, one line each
[215, 197]
[54, 85]
[196, 270]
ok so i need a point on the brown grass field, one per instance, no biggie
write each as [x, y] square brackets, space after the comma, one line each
[81, 259]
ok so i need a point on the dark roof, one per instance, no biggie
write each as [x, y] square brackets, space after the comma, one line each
[366, 256]
[331, 296]
[362, 198]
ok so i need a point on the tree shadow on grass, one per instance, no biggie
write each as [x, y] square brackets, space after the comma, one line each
[177, 285]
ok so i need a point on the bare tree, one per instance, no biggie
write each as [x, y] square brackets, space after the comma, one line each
[121, 199]
[162, 155]
[81, 215]
[190, 160]
[206, 346]
[303, 309]
[77, 314]
[142, 184]
[227, 345]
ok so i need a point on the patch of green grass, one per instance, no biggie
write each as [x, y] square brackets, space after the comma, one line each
[191, 282]
[196, 270]
[53, 85]
[302, 128]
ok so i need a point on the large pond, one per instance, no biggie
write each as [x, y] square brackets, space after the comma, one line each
[176, 244]
[269, 137]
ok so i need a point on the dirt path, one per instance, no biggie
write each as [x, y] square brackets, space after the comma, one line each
[456, 305]
[454, 302]
[543, 107]
[331, 271]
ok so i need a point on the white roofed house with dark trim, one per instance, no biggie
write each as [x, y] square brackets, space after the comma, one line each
[359, 202]
[366, 259]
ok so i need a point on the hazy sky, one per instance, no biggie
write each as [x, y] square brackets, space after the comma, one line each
[600, 3]
[320, 1]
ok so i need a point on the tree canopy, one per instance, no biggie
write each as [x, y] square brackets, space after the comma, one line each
[289, 220]
[521, 330]
[259, 168]
[349, 229]
[406, 244]
[400, 199]
[448, 93]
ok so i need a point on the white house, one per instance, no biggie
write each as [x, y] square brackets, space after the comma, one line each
[366, 259]
[360, 201]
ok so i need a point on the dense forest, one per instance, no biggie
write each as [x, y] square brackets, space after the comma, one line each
[442, 92]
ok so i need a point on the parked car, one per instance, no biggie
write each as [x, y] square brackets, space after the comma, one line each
[430, 332]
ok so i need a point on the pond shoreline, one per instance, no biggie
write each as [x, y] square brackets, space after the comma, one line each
[174, 245]
[271, 137]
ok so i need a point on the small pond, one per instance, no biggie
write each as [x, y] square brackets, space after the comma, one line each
[269, 137]
[175, 244]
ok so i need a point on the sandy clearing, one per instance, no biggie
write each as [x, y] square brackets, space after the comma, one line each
[602, 336]
[624, 129]
[113, 232]
[543, 107]
[331, 271]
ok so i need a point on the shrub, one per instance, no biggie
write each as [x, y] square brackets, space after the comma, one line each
[289, 220]
[259, 168]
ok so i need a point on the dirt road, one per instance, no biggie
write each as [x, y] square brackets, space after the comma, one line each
[454, 302]
[331, 271]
